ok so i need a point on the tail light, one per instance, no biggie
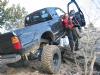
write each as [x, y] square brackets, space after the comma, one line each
[16, 42]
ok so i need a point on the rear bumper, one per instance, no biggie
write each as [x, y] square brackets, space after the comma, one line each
[11, 58]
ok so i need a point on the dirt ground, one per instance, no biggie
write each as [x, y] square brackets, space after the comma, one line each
[35, 69]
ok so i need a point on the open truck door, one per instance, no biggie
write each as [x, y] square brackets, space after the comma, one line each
[77, 16]
[78, 13]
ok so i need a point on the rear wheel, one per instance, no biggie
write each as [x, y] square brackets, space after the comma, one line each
[51, 59]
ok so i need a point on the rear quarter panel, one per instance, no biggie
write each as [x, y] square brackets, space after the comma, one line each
[30, 35]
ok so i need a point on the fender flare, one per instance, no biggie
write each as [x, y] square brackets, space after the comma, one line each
[50, 33]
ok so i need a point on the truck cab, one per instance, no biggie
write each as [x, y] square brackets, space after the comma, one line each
[50, 15]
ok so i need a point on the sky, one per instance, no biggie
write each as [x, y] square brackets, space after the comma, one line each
[88, 7]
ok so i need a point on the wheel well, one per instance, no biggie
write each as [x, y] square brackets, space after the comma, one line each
[47, 37]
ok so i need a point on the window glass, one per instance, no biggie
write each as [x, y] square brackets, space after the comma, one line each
[73, 7]
[53, 12]
[59, 12]
[27, 20]
[38, 17]
[44, 14]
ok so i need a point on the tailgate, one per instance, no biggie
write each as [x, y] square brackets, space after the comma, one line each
[6, 45]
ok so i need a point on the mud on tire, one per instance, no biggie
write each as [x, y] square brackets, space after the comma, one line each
[51, 59]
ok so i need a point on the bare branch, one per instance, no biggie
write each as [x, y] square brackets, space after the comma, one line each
[85, 65]
[89, 10]
[93, 61]
[95, 20]
[99, 2]
[96, 4]
[91, 53]
[86, 14]
[92, 65]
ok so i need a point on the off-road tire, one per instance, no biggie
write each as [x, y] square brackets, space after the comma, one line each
[51, 59]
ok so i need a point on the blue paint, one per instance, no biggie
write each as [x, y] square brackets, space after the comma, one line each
[40, 52]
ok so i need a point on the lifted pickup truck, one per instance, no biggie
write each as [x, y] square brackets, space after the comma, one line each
[42, 30]
[42, 27]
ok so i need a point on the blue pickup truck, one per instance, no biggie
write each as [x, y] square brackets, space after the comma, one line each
[43, 28]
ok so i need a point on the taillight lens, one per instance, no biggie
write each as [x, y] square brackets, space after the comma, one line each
[16, 42]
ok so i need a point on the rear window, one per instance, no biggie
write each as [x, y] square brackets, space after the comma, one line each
[37, 17]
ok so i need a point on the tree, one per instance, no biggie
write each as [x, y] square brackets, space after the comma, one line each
[2, 10]
[17, 15]
[14, 14]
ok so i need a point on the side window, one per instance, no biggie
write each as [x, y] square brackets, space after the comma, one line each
[27, 20]
[59, 12]
[45, 15]
[53, 12]
[36, 16]
[73, 7]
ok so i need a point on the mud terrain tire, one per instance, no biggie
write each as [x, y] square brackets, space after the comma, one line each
[51, 59]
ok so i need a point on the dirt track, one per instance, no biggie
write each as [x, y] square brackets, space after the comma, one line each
[35, 69]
